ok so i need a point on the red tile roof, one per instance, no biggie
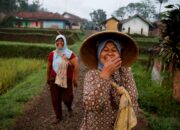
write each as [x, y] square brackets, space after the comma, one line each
[39, 15]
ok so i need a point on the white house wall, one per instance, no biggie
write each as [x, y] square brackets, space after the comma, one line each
[136, 24]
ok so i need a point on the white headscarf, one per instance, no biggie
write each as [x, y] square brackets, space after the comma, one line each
[63, 51]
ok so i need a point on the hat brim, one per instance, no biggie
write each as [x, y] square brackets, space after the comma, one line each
[88, 50]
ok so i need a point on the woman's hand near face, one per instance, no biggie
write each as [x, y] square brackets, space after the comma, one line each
[110, 66]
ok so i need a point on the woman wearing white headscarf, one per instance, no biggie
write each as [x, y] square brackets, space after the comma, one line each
[62, 75]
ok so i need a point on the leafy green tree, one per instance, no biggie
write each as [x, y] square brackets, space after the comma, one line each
[7, 6]
[98, 16]
[10, 6]
[120, 12]
[35, 6]
[145, 9]
[23, 5]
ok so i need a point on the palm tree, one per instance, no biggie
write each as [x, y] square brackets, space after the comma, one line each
[160, 4]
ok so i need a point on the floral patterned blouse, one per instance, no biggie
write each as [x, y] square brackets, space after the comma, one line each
[101, 101]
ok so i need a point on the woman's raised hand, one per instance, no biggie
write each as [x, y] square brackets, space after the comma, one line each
[110, 66]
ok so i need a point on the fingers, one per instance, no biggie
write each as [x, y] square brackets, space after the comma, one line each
[116, 62]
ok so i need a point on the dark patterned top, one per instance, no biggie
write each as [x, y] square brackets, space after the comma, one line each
[101, 101]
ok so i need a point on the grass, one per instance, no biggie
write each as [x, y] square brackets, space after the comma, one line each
[13, 101]
[26, 44]
[15, 69]
[162, 111]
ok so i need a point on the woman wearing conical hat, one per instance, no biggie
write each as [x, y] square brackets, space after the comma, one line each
[109, 92]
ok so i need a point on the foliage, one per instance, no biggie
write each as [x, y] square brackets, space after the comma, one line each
[170, 47]
[162, 111]
[25, 50]
[145, 9]
[98, 16]
[120, 12]
[8, 6]
[35, 6]
[12, 102]
[14, 70]
[7, 21]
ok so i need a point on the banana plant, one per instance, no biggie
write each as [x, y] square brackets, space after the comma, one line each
[170, 46]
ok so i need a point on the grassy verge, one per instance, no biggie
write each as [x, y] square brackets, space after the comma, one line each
[12, 102]
[162, 111]
[15, 69]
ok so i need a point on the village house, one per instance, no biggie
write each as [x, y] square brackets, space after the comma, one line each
[41, 20]
[133, 25]
[75, 21]
[111, 23]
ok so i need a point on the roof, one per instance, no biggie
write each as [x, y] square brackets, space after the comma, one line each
[72, 16]
[143, 19]
[104, 22]
[39, 15]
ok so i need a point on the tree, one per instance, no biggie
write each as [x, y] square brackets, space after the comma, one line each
[160, 4]
[10, 6]
[98, 16]
[35, 6]
[145, 9]
[7, 6]
[120, 12]
[23, 5]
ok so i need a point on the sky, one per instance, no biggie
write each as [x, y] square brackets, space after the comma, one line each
[82, 8]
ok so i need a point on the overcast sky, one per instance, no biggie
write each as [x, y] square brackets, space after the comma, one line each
[82, 8]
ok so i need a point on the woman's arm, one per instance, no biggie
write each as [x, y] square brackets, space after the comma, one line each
[74, 62]
[130, 86]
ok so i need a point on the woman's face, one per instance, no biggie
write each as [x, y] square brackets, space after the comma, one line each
[109, 51]
[59, 43]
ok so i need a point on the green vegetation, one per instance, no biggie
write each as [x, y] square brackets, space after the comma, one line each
[147, 42]
[25, 50]
[12, 102]
[162, 111]
[14, 70]
[38, 35]
[32, 50]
